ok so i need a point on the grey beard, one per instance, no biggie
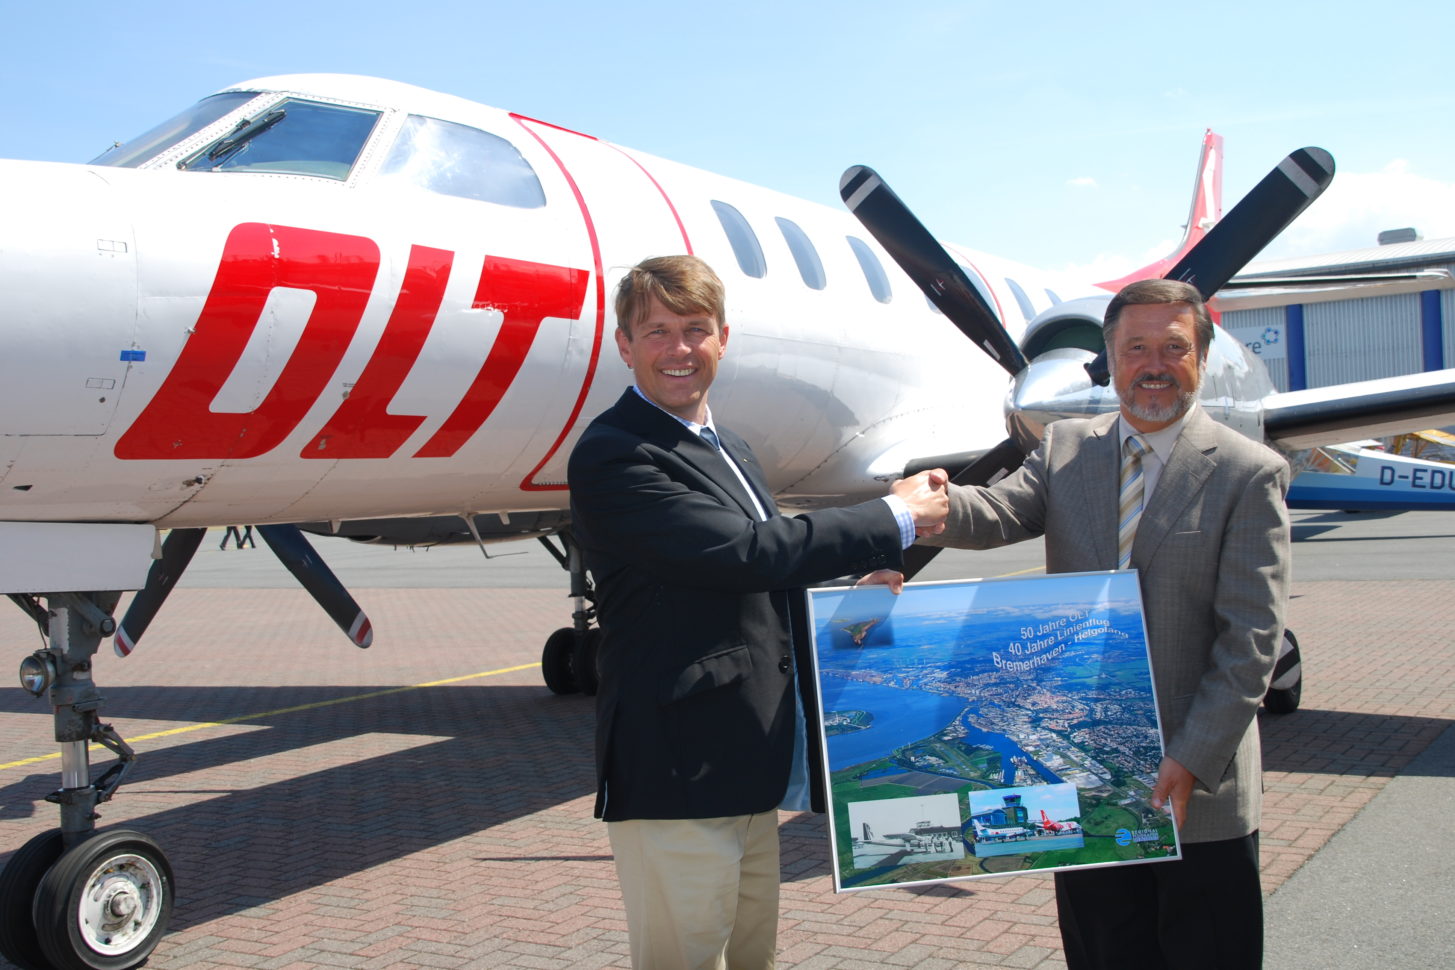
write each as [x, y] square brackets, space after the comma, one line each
[1177, 408]
[1158, 415]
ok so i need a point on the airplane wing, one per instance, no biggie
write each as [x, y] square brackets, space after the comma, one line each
[1330, 415]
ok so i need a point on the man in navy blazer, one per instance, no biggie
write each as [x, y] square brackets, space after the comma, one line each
[700, 731]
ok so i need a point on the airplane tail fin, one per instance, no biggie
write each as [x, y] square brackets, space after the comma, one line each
[1205, 211]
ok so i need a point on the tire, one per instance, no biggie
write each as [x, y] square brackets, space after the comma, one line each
[105, 904]
[583, 662]
[556, 661]
[18, 884]
[1286, 690]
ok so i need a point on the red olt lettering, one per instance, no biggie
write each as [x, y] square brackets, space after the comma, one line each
[340, 270]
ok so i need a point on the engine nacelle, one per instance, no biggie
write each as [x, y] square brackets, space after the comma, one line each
[1061, 341]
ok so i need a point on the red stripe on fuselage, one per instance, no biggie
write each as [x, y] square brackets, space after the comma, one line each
[686, 243]
[528, 484]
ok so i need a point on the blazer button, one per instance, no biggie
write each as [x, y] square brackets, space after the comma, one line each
[784, 664]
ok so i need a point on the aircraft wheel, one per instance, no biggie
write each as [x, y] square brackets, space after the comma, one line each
[1286, 690]
[556, 661]
[583, 661]
[18, 883]
[105, 904]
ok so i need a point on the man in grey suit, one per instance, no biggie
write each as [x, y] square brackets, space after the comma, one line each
[1201, 517]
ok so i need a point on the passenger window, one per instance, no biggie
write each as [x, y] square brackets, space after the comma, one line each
[291, 138]
[1027, 310]
[982, 288]
[744, 241]
[873, 271]
[810, 267]
[452, 159]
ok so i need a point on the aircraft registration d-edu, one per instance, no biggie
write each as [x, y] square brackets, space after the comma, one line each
[346, 306]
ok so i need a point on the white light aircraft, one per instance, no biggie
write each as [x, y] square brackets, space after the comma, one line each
[1364, 476]
[376, 311]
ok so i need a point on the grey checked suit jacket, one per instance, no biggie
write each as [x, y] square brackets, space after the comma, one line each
[1212, 552]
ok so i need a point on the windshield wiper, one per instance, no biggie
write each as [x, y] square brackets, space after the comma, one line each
[245, 131]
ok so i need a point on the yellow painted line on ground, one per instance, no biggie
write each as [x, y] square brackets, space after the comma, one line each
[282, 710]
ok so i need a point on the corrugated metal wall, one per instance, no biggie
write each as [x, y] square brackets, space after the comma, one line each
[1358, 340]
[1346, 340]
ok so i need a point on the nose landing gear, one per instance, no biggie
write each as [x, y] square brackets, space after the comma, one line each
[74, 898]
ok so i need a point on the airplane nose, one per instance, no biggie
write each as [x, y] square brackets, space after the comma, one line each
[68, 298]
[1055, 385]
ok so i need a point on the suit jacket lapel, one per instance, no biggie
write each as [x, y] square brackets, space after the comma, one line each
[706, 459]
[669, 433]
[1102, 483]
[738, 452]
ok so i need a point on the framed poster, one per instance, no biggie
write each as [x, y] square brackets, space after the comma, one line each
[987, 727]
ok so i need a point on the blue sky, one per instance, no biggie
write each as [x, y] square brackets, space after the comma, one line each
[1062, 135]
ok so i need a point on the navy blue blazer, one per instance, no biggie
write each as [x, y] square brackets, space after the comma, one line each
[695, 713]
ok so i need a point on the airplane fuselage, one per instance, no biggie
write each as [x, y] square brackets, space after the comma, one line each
[303, 340]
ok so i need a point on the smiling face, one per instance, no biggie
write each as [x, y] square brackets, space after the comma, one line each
[1156, 363]
[674, 357]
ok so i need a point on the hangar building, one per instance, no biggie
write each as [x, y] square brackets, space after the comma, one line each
[1386, 311]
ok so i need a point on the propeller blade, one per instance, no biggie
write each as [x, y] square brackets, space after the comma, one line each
[988, 469]
[925, 261]
[178, 548]
[294, 551]
[1246, 231]
[1255, 221]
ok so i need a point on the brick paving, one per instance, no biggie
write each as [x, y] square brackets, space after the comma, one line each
[427, 803]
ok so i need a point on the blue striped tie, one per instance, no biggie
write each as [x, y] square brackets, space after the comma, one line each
[1129, 506]
[710, 436]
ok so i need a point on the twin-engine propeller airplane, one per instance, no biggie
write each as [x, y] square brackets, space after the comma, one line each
[348, 306]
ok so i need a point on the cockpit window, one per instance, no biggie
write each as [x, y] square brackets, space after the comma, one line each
[453, 159]
[292, 137]
[132, 153]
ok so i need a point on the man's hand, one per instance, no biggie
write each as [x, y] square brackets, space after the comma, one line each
[1173, 782]
[928, 497]
[892, 578]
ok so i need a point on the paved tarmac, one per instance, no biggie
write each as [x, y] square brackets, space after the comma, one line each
[1378, 895]
[427, 803]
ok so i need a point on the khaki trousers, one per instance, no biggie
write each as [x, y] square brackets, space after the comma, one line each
[700, 894]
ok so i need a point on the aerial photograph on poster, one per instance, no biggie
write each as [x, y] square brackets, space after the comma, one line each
[987, 727]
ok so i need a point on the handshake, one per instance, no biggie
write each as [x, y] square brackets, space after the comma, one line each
[928, 497]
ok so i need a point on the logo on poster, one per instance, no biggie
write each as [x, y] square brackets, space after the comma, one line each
[1128, 836]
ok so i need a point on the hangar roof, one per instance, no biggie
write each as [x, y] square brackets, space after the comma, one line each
[1411, 255]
